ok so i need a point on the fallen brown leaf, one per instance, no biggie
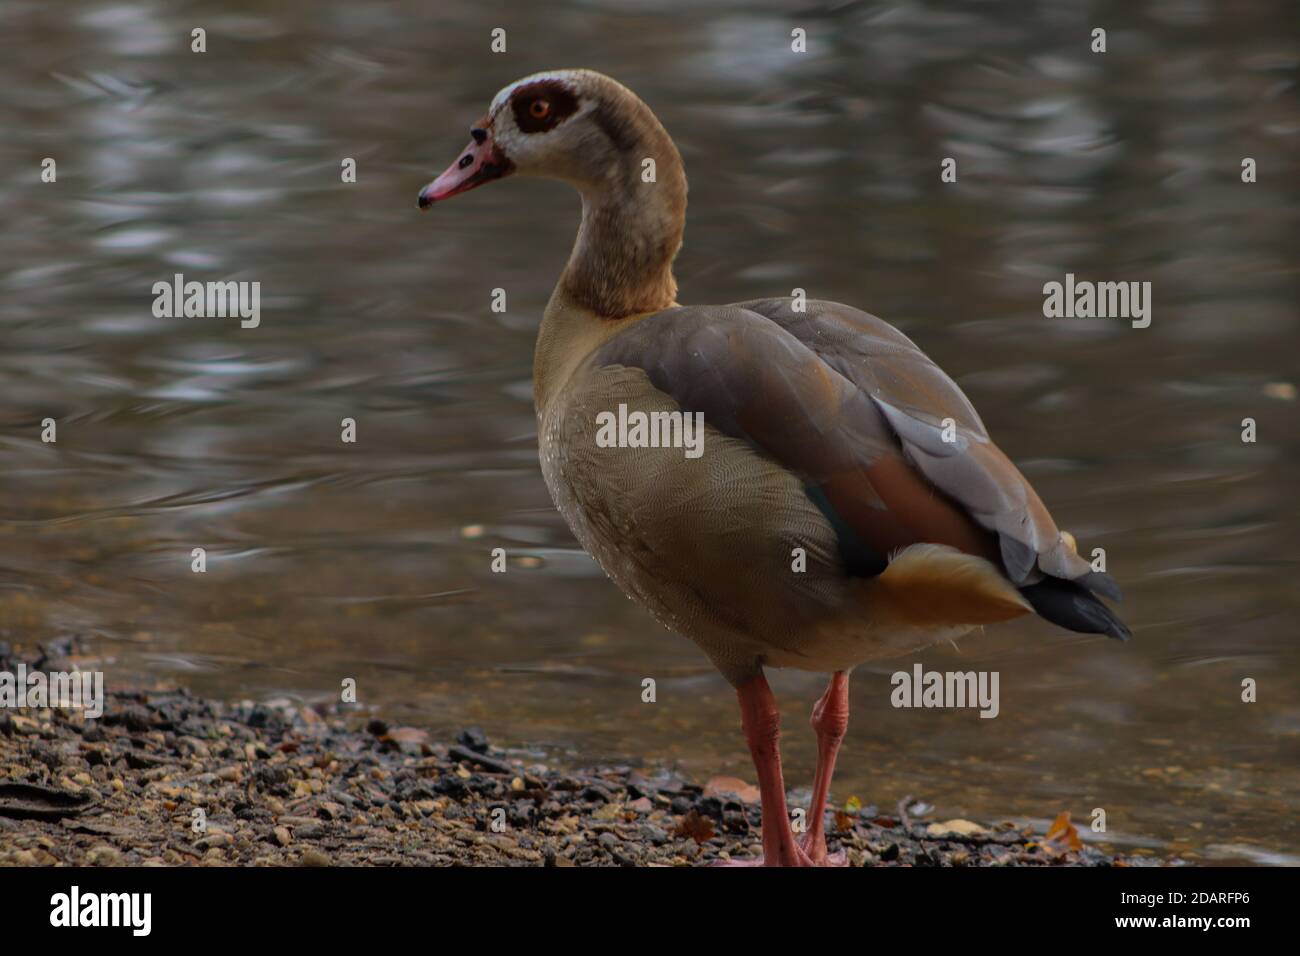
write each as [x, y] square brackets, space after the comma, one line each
[698, 828]
[1062, 834]
[844, 819]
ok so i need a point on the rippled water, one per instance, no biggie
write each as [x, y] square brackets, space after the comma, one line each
[370, 560]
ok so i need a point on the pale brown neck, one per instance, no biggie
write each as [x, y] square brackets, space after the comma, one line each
[622, 261]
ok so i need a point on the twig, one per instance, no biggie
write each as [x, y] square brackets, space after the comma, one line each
[902, 813]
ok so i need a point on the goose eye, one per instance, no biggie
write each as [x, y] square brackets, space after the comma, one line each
[539, 109]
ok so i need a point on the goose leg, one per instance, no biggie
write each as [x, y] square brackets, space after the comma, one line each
[761, 721]
[830, 721]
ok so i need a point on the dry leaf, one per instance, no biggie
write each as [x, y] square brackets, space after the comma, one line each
[698, 828]
[1063, 835]
[845, 818]
[959, 827]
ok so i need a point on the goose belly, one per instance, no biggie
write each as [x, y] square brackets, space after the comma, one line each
[725, 548]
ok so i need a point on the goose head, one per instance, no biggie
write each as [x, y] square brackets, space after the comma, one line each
[573, 125]
[588, 130]
[540, 125]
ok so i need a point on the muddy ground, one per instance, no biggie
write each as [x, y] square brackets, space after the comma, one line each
[166, 778]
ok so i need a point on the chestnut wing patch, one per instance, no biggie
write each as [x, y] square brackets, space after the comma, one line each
[755, 381]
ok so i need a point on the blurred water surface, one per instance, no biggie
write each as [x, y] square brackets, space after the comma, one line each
[370, 560]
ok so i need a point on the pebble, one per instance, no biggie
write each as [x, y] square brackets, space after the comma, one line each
[103, 855]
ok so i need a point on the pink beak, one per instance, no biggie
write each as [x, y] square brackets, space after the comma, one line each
[480, 162]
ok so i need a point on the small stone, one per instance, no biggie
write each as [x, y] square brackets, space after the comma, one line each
[136, 719]
[214, 839]
[313, 857]
[104, 855]
[283, 836]
[474, 739]
[25, 725]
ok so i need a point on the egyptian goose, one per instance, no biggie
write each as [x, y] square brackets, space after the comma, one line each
[847, 505]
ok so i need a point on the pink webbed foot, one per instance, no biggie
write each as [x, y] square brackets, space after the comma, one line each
[761, 722]
[800, 858]
[830, 721]
[820, 856]
[805, 854]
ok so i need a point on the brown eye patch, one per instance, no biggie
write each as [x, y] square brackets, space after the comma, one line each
[542, 106]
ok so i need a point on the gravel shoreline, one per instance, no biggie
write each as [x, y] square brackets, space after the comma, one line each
[166, 778]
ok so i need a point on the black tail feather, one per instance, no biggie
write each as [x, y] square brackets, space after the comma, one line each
[1073, 607]
[1099, 582]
